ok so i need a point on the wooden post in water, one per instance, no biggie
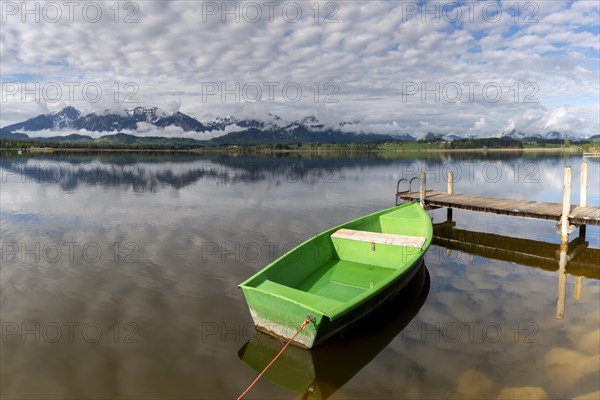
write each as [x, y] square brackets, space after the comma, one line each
[583, 194]
[562, 280]
[564, 244]
[422, 192]
[566, 206]
[578, 288]
[583, 187]
[582, 203]
[450, 191]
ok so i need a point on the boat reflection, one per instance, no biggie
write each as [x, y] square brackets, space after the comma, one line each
[574, 258]
[320, 372]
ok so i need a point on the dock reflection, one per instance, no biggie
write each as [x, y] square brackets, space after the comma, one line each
[574, 258]
[320, 372]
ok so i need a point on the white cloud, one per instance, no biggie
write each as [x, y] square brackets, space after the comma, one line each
[480, 125]
[561, 120]
[143, 130]
[372, 49]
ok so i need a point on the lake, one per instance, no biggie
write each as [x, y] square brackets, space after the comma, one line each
[119, 279]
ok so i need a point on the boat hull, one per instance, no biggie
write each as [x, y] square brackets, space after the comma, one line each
[321, 327]
[339, 276]
[318, 374]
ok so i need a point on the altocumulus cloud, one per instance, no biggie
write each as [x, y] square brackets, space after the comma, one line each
[395, 66]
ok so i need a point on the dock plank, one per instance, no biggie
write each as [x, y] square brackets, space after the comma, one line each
[432, 194]
[550, 209]
[582, 212]
[595, 216]
[525, 206]
[531, 205]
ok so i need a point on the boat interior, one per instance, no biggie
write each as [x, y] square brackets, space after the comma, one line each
[341, 264]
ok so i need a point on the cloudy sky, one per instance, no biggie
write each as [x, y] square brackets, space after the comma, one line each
[478, 67]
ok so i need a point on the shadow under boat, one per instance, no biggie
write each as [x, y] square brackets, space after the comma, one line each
[320, 372]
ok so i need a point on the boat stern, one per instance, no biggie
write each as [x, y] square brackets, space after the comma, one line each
[286, 330]
[283, 317]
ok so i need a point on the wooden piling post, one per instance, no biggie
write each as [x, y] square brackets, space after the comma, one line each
[562, 280]
[582, 232]
[422, 191]
[450, 191]
[578, 288]
[564, 244]
[583, 186]
[566, 209]
[583, 194]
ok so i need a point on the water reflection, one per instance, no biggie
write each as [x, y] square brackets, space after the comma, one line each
[148, 172]
[198, 235]
[575, 258]
[320, 372]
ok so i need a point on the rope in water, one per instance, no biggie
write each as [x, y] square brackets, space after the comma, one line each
[306, 321]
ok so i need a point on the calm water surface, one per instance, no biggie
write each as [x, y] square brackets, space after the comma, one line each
[119, 276]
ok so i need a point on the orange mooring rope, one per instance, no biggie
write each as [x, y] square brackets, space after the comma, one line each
[306, 321]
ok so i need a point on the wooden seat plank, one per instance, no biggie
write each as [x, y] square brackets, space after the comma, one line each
[380, 238]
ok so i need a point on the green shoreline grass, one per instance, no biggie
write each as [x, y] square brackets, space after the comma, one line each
[387, 148]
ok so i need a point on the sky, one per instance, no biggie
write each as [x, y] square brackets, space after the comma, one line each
[469, 68]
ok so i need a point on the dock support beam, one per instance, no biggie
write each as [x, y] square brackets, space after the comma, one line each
[562, 280]
[566, 209]
[583, 194]
[422, 192]
[564, 244]
[583, 203]
[582, 232]
[583, 186]
[450, 191]
[577, 293]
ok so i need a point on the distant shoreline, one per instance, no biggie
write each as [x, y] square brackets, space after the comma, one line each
[251, 150]
[475, 150]
[91, 149]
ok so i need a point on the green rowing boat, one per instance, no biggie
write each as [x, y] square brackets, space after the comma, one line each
[340, 275]
[319, 373]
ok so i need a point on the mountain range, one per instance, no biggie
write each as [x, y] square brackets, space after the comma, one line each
[122, 128]
[69, 118]
[273, 130]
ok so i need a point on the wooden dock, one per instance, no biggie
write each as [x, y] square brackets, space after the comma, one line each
[517, 208]
[583, 261]
[569, 216]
